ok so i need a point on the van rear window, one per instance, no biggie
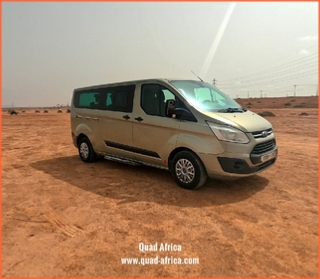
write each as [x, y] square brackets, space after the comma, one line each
[113, 98]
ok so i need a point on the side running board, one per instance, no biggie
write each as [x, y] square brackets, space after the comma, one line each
[120, 160]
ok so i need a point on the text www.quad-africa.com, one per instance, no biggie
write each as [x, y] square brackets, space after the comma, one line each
[157, 260]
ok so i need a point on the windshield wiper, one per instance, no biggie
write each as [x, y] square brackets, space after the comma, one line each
[233, 110]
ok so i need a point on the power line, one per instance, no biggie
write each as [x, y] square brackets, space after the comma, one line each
[279, 89]
[277, 60]
[278, 80]
[284, 72]
[297, 61]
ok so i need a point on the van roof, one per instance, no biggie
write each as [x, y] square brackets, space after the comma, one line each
[165, 80]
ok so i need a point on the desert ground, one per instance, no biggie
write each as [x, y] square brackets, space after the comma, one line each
[65, 218]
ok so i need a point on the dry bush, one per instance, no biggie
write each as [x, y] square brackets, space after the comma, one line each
[300, 106]
[266, 113]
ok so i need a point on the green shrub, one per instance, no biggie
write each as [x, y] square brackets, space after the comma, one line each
[287, 104]
[304, 113]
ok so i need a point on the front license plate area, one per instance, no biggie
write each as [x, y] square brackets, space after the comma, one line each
[268, 156]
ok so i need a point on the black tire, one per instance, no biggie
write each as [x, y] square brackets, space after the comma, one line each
[86, 151]
[197, 176]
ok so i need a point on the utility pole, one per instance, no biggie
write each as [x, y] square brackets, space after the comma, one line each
[317, 90]
[214, 81]
[261, 93]
[294, 94]
[248, 94]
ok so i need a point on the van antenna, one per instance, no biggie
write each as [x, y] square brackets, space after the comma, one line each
[196, 75]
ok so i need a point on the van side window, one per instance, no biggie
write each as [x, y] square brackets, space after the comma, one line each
[154, 97]
[119, 98]
[108, 99]
[87, 99]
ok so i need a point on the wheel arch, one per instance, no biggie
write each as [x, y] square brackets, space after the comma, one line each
[80, 137]
[176, 151]
[199, 172]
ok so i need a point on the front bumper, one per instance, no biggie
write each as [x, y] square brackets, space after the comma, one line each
[239, 166]
[233, 165]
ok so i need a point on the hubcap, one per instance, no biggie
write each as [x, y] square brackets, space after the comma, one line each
[84, 150]
[185, 170]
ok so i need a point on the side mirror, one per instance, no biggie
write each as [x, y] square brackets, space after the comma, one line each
[170, 104]
[180, 113]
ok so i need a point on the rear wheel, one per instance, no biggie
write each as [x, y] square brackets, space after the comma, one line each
[188, 170]
[86, 151]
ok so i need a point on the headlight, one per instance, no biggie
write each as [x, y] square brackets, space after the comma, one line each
[227, 133]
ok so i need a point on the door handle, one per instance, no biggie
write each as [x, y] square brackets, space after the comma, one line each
[126, 117]
[139, 118]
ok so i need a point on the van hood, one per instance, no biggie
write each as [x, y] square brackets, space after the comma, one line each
[245, 121]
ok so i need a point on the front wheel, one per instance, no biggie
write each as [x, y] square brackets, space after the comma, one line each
[86, 151]
[188, 170]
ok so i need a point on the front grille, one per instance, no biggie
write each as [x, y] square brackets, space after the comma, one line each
[266, 164]
[260, 134]
[264, 147]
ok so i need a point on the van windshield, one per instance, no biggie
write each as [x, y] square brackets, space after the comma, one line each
[205, 96]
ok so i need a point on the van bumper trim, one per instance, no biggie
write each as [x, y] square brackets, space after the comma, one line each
[240, 166]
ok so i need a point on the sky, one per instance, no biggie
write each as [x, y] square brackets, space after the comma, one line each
[245, 48]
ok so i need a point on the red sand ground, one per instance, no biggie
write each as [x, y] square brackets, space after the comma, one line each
[62, 217]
